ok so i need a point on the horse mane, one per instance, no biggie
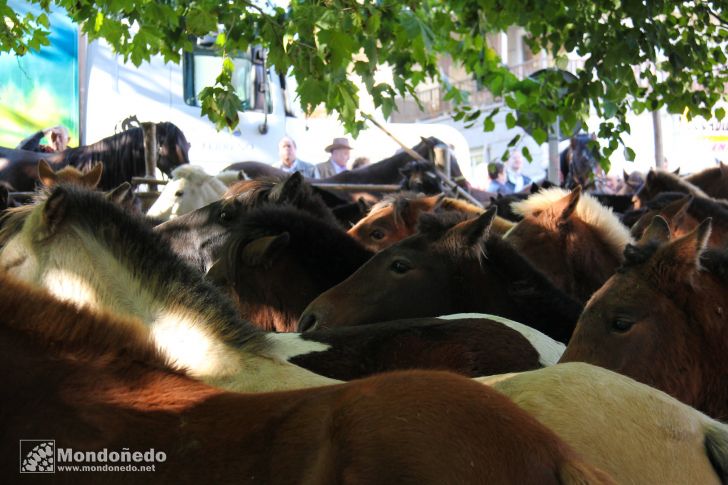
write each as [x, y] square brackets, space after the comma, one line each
[130, 240]
[12, 220]
[398, 201]
[589, 210]
[671, 180]
[252, 192]
[121, 153]
[64, 328]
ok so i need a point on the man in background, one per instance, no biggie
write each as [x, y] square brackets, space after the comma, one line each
[516, 180]
[340, 151]
[289, 163]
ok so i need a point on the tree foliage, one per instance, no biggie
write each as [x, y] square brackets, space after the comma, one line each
[640, 54]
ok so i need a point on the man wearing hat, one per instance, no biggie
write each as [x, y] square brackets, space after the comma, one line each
[340, 151]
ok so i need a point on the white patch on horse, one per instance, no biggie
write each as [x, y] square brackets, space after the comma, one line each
[289, 345]
[549, 350]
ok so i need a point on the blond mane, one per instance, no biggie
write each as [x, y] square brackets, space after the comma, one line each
[589, 210]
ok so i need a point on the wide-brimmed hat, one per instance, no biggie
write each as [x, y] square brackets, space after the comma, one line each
[338, 143]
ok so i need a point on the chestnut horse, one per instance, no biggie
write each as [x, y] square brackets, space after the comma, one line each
[661, 319]
[573, 239]
[641, 435]
[121, 154]
[713, 181]
[97, 383]
[395, 217]
[684, 213]
[449, 266]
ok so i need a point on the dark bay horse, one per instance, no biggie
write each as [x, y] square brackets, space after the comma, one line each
[450, 266]
[661, 319]
[569, 236]
[713, 181]
[122, 156]
[658, 181]
[578, 162]
[96, 383]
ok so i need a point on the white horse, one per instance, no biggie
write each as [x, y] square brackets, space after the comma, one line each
[632, 431]
[189, 189]
[86, 250]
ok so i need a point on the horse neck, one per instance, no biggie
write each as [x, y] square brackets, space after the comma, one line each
[524, 294]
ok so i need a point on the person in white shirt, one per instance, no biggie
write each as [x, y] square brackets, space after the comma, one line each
[516, 180]
[288, 161]
[340, 151]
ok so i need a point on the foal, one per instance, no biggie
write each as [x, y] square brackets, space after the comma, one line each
[93, 382]
[573, 239]
[661, 319]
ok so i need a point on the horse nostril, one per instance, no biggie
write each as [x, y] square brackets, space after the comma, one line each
[307, 323]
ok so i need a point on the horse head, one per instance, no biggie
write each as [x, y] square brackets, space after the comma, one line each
[173, 147]
[582, 161]
[190, 188]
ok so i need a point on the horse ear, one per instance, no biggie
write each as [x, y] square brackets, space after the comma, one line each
[363, 206]
[471, 232]
[218, 274]
[686, 250]
[264, 249]
[570, 203]
[676, 211]
[92, 178]
[657, 232]
[54, 209]
[46, 174]
[676, 171]
[289, 189]
[625, 175]
[651, 176]
[120, 193]
[723, 170]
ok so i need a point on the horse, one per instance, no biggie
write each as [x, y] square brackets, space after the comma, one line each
[684, 212]
[658, 181]
[69, 174]
[190, 188]
[395, 217]
[472, 345]
[639, 432]
[277, 259]
[85, 249]
[570, 237]
[122, 156]
[632, 182]
[451, 265]
[98, 386]
[578, 162]
[713, 181]
[198, 236]
[661, 319]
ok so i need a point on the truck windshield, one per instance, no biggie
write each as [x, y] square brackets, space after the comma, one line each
[202, 67]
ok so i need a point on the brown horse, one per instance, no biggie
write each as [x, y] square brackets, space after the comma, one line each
[713, 181]
[661, 319]
[573, 239]
[395, 218]
[658, 181]
[97, 386]
[277, 259]
[684, 214]
[449, 266]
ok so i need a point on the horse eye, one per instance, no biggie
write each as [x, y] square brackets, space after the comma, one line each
[179, 193]
[621, 326]
[226, 216]
[377, 235]
[400, 267]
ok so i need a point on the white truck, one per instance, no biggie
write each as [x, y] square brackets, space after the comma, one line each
[111, 90]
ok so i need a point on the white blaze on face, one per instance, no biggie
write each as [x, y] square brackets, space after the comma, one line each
[549, 350]
[168, 201]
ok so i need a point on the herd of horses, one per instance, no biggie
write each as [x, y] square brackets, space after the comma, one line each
[258, 328]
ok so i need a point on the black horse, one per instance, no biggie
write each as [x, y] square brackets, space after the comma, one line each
[121, 154]
[578, 162]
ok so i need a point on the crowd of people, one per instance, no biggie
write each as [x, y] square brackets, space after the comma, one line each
[339, 153]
